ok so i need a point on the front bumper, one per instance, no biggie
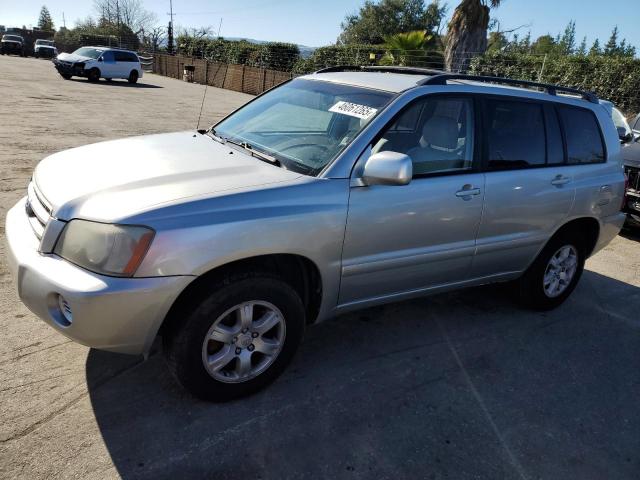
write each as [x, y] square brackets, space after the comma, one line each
[68, 68]
[117, 314]
[9, 47]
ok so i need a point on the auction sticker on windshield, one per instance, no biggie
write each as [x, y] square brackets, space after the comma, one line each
[353, 109]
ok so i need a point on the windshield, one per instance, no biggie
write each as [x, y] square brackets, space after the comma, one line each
[620, 121]
[88, 52]
[14, 38]
[47, 43]
[304, 124]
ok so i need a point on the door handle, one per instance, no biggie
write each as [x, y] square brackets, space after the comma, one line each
[560, 180]
[467, 192]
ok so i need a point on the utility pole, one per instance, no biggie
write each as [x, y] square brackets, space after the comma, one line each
[64, 22]
[170, 29]
[220, 27]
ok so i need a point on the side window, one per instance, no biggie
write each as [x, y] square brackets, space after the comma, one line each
[515, 134]
[584, 141]
[132, 57]
[437, 133]
[555, 148]
[124, 57]
[108, 57]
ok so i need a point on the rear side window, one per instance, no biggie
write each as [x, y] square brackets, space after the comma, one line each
[516, 134]
[125, 57]
[582, 133]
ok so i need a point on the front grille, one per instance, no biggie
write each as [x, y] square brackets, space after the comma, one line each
[38, 210]
[633, 174]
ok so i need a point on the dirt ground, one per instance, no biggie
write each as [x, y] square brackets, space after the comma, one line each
[462, 385]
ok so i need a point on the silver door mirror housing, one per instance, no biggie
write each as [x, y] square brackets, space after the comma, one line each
[388, 168]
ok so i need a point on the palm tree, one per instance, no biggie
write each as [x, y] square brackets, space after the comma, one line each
[407, 48]
[467, 34]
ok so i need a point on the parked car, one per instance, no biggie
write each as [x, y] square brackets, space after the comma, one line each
[631, 157]
[635, 126]
[44, 49]
[12, 44]
[95, 63]
[335, 191]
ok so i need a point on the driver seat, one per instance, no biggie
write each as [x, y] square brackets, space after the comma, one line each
[437, 149]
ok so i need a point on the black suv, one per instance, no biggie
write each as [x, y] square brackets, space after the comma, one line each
[12, 44]
[631, 157]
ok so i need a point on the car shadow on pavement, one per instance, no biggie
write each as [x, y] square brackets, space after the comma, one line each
[460, 385]
[118, 83]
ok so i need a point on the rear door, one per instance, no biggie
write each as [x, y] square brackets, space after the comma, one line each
[404, 239]
[529, 188]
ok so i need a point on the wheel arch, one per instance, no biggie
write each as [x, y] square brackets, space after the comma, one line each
[298, 271]
[587, 227]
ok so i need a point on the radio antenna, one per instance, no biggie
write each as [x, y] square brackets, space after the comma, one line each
[206, 85]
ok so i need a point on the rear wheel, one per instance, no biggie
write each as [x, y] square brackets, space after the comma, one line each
[66, 76]
[554, 274]
[133, 76]
[94, 75]
[237, 339]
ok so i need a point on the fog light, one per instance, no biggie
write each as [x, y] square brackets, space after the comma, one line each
[65, 311]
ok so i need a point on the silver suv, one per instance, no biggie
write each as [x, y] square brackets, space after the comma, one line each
[339, 190]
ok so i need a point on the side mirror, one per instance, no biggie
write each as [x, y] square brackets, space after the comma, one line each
[100, 59]
[624, 135]
[388, 168]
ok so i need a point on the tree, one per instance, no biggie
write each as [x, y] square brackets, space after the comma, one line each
[582, 49]
[467, 34]
[595, 48]
[377, 20]
[407, 48]
[45, 22]
[129, 13]
[544, 45]
[497, 41]
[567, 43]
[154, 38]
[611, 47]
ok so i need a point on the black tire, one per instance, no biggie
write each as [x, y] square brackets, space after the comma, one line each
[531, 285]
[108, 79]
[94, 75]
[66, 76]
[133, 76]
[183, 343]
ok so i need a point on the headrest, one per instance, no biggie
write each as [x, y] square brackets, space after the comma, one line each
[440, 132]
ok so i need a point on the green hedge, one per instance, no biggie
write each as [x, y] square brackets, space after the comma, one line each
[272, 55]
[612, 78]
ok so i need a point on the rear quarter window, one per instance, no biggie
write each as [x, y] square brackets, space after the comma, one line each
[582, 134]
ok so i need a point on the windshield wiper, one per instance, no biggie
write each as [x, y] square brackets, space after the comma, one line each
[256, 153]
[212, 133]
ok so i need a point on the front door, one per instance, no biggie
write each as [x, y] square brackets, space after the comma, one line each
[403, 239]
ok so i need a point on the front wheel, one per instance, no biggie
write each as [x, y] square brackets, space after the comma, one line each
[94, 75]
[554, 274]
[66, 76]
[237, 339]
[133, 76]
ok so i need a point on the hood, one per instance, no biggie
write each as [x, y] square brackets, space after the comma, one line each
[45, 46]
[72, 57]
[110, 181]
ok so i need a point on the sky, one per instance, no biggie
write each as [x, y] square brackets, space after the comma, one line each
[317, 22]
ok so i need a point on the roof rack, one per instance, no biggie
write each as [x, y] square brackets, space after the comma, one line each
[383, 69]
[443, 78]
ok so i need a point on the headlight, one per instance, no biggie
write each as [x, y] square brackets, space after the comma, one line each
[115, 250]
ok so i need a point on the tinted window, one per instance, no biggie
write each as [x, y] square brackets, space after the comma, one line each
[515, 134]
[584, 142]
[122, 57]
[441, 138]
[108, 57]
